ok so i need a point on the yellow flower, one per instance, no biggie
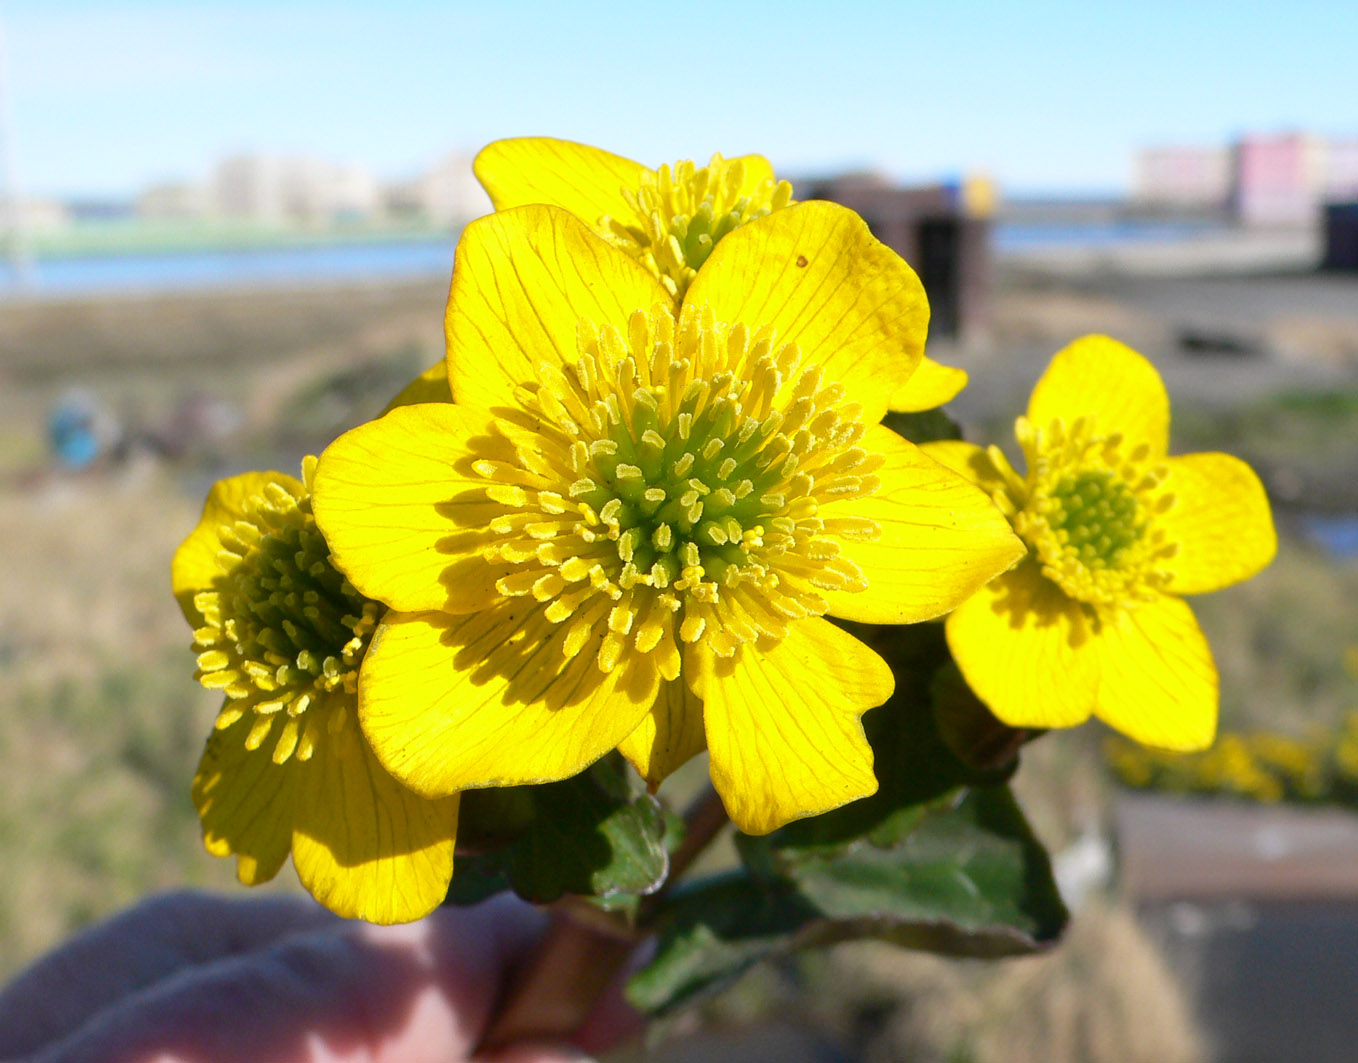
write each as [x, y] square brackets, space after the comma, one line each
[282, 633]
[1091, 621]
[668, 219]
[626, 529]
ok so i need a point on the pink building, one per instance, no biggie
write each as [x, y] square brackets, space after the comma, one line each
[1279, 180]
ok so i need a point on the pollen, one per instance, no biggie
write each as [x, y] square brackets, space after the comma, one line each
[1091, 513]
[284, 631]
[681, 212]
[686, 464]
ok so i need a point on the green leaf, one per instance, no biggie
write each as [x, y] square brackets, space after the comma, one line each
[969, 880]
[598, 834]
[924, 426]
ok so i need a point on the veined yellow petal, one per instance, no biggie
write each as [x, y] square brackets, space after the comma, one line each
[942, 538]
[784, 728]
[1157, 682]
[195, 565]
[246, 802]
[403, 511]
[1024, 648]
[1220, 520]
[429, 386]
[364, 845]
[931, 385]
[586, 181]
[975, 464]
[815, 273]
[1101, 377]
[522, 282]
[669, 736]
[490, 699]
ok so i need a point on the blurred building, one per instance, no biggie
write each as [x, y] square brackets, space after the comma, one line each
[1279, 180]
[36, 214]
[448, 193]
[1183, 178]
[943, 231]
[1276, 180]
[1341, 171]
[277, 188]
[175, 199]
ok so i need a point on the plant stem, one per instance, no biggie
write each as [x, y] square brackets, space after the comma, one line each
[585, 948]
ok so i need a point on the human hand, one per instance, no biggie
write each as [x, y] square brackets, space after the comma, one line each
[191, 978]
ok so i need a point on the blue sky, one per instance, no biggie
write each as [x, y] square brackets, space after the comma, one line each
[106, 97]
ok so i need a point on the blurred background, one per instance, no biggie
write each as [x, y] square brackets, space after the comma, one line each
[226, 231]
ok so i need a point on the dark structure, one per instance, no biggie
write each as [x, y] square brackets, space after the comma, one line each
[1341, 237]
[931, 229]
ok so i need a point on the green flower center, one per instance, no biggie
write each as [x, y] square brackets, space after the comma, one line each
[669, 485]
[1090, 513]
[681, 214]
[1098, 516]
[283, 628]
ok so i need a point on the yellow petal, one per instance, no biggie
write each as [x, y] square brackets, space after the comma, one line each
[975, 464]
[522, 282]
[816, 274]
[784, 728]
[942, 538]
[1157, 682]
[195, 565]
[1220, 520]
[429, 386]
[586, 181]
[364, 845]
[403, 511]
[1099, 376]
[1024, 648]
[929, 386]
[246, 802]
[489, 699]
[669, 736]
[757, 170]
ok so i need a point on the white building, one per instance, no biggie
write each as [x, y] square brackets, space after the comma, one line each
[448, 193]
[175, 199]
[276, 188]
[1183, 177]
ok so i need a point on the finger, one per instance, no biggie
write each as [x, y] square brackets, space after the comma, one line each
[351, 992]
[138, 948]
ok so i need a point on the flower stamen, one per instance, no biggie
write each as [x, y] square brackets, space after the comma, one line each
[1088, 513]
[688, 496]
[682, 212]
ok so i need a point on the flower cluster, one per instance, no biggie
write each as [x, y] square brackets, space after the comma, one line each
[626, 511]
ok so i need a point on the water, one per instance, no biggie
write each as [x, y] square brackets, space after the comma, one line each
[1041, 235]
[1337, 535]
[102, 274]
[197, 270]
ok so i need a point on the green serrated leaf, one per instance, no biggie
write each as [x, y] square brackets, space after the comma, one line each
[718, 928]
[598, 834]
[969, 880]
